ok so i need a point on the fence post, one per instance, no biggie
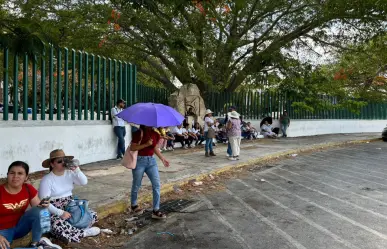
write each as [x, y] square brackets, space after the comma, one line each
[131, 87]
[115, 82]
[110, 105]
[15, 87]
[34, 91]
[104, 89]
[92, 87]
[43, 86]
[99, 88]
[80, 62]
[25, 87]
[134, 69]
[5, 89]
[73, 58]
[51, 84]
[120, 80]
[66, 84]
[86, 95]
[59, 86]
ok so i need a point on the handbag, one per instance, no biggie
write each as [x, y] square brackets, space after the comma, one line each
[130, 158]
[80, 213]
[211, 132]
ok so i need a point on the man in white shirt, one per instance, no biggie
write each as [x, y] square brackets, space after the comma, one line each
[119, 127]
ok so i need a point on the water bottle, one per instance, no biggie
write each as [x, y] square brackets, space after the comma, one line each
[45, 220]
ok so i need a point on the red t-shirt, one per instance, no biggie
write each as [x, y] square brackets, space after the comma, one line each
[13, 206]
[148, 151]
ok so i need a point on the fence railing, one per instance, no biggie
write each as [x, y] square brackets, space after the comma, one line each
[152, 94]
[256, 105]
[64, 85]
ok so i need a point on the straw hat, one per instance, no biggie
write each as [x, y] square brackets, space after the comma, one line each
[233, 114]
[55, 154]
[208, 111]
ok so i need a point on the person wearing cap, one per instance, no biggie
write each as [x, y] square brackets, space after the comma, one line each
[234, 134]
[208, 124]
[58, 185]
[119, 127]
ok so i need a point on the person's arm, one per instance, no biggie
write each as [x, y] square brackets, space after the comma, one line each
[114, 113]
[288, 121]
[229, 125]
[159, 155]
[79, 177]
[44, 192]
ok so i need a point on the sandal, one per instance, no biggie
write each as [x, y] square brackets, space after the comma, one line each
[137, 210]
[158, 215]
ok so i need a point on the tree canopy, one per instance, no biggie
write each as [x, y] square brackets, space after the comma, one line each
[216, 44]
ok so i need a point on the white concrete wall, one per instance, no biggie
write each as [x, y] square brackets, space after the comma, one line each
[307, 127]
[32, 141]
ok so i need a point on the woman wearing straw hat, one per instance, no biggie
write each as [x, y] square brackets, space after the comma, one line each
[208, 127]
[58, 185]
[234, 134]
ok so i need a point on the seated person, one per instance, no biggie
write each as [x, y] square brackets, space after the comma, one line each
[181, 136]
[248, 131]
[198, 131]
[171, 139]
[221, 134]
[191, 135]
[266, 129]
[163, 138]
[58, 185]
[15, 220]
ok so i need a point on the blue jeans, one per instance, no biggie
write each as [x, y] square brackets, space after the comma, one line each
[208, 146]
[148, 165]
[284, 128]
[120, 133]
[229, 150]
[30, 221]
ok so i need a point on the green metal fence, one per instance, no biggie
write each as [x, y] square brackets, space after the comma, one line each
[152, 94]
[64, 84]
[256, 105]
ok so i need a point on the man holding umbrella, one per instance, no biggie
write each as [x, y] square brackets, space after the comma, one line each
[146, 143]
[119, 127]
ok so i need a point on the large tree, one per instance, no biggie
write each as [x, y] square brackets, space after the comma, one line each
[224, 44]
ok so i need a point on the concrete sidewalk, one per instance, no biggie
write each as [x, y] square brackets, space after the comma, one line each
[109, 182]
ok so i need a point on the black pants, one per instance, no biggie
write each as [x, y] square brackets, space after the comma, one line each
[183, 141]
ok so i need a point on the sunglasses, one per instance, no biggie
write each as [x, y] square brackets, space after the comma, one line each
[60, 161]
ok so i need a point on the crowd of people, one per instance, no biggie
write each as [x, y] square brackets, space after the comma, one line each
[21, 204]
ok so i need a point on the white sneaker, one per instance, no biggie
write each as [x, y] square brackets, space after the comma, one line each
[232, 158]
[92, 231]
[45, 243]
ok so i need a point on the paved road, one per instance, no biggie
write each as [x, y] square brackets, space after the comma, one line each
[331, 199]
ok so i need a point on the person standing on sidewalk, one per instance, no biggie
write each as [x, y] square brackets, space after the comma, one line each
[231, 109]
[285, 123]
[119, 128]
[146, 141]
[234, 134]
[209, 133]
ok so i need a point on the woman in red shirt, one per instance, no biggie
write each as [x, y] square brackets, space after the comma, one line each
[145, 141]
[15, 221]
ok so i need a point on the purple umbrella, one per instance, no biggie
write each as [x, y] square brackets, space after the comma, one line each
[151, 114]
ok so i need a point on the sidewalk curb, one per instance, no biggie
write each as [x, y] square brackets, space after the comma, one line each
[122, 205]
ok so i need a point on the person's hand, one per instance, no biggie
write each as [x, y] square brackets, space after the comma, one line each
[150, 142]
[45, 204]
[165, 162]
[4, 244]
[66, 215]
